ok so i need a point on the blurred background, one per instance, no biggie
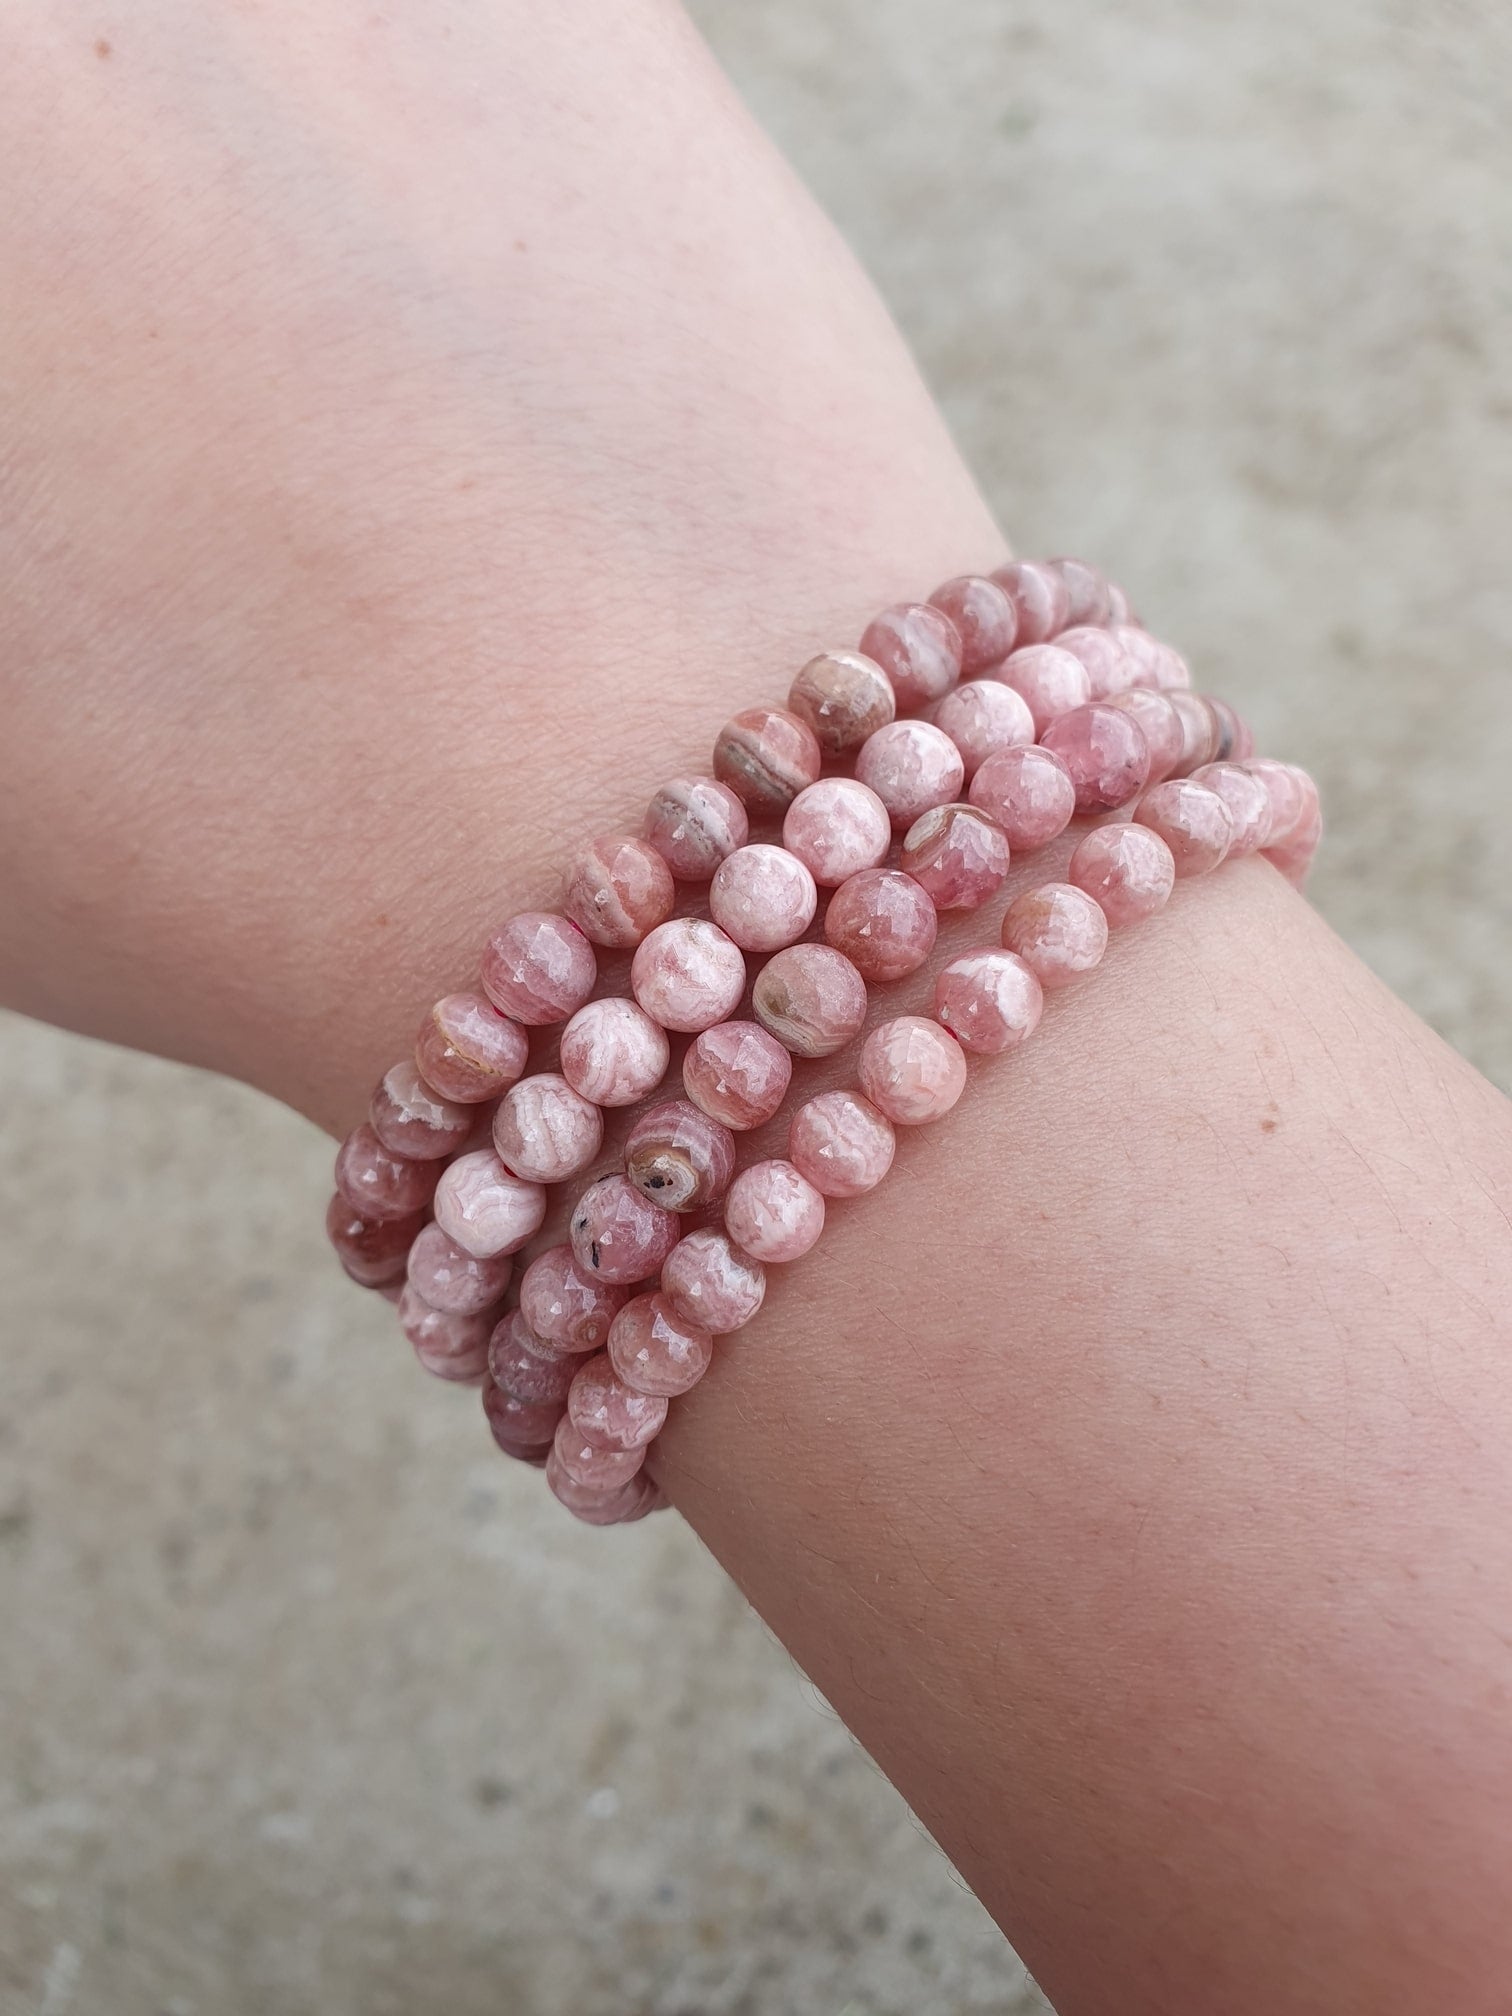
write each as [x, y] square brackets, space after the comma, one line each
[311, 1705]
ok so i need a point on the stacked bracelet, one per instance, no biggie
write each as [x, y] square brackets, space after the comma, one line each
[1047, 702]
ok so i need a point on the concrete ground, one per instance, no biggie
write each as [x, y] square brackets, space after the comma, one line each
[308, 1705]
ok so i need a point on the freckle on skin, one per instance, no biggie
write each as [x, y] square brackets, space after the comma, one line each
[103, 49]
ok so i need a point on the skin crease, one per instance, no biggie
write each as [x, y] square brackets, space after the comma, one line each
[427, 430]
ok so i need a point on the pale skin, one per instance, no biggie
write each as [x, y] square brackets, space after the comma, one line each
[423, 431]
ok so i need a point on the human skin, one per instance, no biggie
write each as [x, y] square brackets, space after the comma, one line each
[425, 431]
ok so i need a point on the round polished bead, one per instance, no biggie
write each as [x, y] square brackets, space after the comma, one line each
[774, 1213]
[546, 1132]
[811, 998]
[737, 1073]
[1127, 869]
[912, 1070]
[450, 1347]
[412, 1120]
[1172, 671]
[1200, 732]
[1119, 611]
[1193, 821]
[486, 1209]
[763, 897]
[708, 1280]
[1295, 854]
[467, 1051]
[1058, 930]
[841, 1144]
[766, 755]
[522, 1427]
[1248, 802]
[525, 1367]
[379, 1184]
[982, 717]
[1286, 789]
[680, 1157]
[912, 766]
[1236, 741]
[1087, 590]
[613, 1053]
[617, 889]
[693, 822]
[373, 1250]
[883, 922]
[1105, 753]
[919, 649]
[688, 974]
[837, 827]
[591, 1464]
[448, 1278]
[655, 1351]
[984, 616]
[1028, 793]
[957, 855]
[598, 1503]
[1110, 669]
[1161, 725]
[844, 696]
[610, 1414]
[539, 968]
[1050, 680]
[565, 1307]
[1141, 649]
[990, 1001]
[618, 1234]
[1041, 599]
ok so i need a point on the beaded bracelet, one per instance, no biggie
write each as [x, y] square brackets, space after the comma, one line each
[1070, 708]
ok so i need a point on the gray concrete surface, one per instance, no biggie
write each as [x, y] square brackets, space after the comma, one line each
[296, 1712]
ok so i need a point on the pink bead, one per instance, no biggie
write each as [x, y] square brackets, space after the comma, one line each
[449, 1279]
[1040, 597]
[614, 1505]
[982, 717]
[412, 1120]
[378, 1183]
[919, 649]
[1028, 793]
[983, 614]
[546, 1132]
[1105, 754]
[1058, 930]
[372, 1250]
[680, 1157]
[688, 975]
[449, 1347]
[1248, 802]
[1126, 869]
[707, 1280]
[766, 755]
[590, 1464]
[773, 1213]
[527, 1369]
[1050, 680]
[467, 1051]
[566, 1308]
[539, 968]
[1164, 735]
[610, 1414]
[841, 1144]
[844, 696]
[1294, 852]
[484, 1208]
[619, 1234]
[1193, 821]
[957, 855]
[654, 1351]
[522, 1427]
[837, 827]
[1109, 667]
[990, 1001]
[1286, 789]
[1142, 650]
[617, 889]
[1171, 670]
[763, 897]
[1235, 740]
[693, 822]
[912, 766]
[912, 1070]
[811, 998]
[1200, 732]
[613, 1053]
[1088, 590]
[883, 922]
[1119, 612]
[737, 1073]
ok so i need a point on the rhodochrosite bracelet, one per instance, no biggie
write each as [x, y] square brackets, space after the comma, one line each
[900, 780]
